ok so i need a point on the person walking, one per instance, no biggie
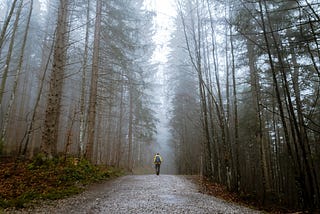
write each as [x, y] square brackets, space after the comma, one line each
[157, 159]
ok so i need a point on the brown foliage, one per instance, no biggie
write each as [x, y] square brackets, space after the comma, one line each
[22, 182]
[16, 179]
[220, 191]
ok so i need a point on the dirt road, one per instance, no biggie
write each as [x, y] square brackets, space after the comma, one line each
[141, 194]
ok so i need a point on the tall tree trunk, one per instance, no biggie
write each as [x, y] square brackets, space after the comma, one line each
[235, 109]
[130, 131]
[118, 148]
[9, 55]
[94, 85]
[45, 61]
[110, 144]
[293, 160]
[19, 68]
[5, 26]
[302, 128]
[309, 188]
[196, 63]
[68, 139]
[53, 109]
[211, 103]
[259, 121]
[83, 86]
[6, 70]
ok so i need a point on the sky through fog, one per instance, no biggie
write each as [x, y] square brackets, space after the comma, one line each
[163, 25]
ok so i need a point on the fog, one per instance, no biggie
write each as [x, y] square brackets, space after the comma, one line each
[163, 22]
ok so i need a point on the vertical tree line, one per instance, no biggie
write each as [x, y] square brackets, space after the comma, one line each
[257, 70]
[75, 77]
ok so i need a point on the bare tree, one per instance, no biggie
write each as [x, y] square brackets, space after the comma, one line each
[9, 55]
[19, 69]
[273, 133]
[6, 25]
[5, 72]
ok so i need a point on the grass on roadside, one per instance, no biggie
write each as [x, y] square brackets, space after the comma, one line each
[22, 183]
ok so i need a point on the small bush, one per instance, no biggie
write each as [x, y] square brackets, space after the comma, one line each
[40, 161]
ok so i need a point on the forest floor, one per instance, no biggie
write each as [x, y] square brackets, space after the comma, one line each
[26, 182]
[220, 191]
[62, 187]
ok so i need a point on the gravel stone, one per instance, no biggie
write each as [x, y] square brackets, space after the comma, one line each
[140, 194]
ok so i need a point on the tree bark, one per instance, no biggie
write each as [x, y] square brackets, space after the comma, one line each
[9, 55]
[6, 70]
[235, 112]
[5, 25]
[94, 85]
[53, 109]
[83, 86]
[130, 131]
[118, 147]
[45, 61]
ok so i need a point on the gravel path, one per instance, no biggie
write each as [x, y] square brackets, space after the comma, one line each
[141, 194]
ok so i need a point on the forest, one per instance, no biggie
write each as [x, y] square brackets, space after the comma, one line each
[79, 79]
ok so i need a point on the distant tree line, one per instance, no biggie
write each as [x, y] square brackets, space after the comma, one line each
[76, 80]
[245, 105]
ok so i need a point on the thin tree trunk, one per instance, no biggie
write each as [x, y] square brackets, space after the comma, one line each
[68, 143]
[307, 177]
[45, 65]
[226, 147]
[302, 128]
[110, 145]
[5, 26]
[259, 124]
[295, 163]
[216, 154]
[6, 70]
[130, 131]
[18, 72]
[83, 86]
[236, 123]
[9, 55]
[118, 149]
[94, 85]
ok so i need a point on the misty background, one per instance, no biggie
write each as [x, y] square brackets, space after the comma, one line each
[227, 90]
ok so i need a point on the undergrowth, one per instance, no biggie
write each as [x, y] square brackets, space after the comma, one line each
[24, 182]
